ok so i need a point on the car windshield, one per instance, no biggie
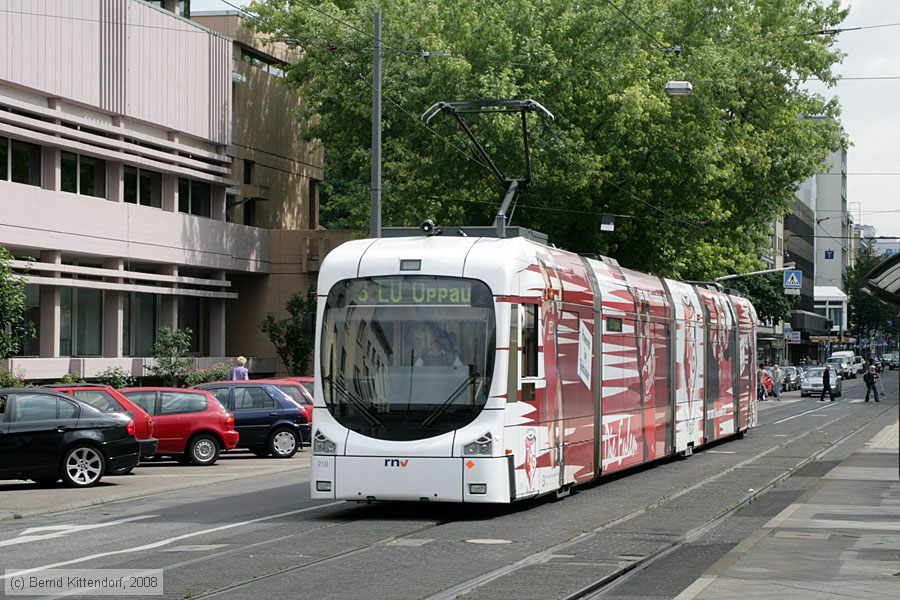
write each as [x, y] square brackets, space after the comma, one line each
[815, 373]
[406, 358]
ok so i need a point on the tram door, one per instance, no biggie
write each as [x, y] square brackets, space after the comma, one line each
[575, 367]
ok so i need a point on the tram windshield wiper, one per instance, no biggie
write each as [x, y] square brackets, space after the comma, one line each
[354, 401]
[437, 412]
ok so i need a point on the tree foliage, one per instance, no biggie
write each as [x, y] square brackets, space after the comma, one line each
[13, 327]
[699, 177]
[766, 292]
[171, 351]
[292, 343]
[868, 315]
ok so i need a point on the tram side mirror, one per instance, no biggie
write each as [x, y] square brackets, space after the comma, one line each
[309, 320]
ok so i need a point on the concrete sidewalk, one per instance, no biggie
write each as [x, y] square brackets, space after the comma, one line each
[840, 539]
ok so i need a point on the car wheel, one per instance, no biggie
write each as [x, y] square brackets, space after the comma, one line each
[203, 450]
[82, 466]
[283, 443]
[260, 451]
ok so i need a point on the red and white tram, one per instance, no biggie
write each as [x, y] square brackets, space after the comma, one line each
[465, 369]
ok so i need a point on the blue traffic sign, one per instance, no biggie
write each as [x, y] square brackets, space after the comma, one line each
[793, 280]
[829, 255]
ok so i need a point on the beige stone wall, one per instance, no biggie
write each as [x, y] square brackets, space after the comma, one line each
[295, 259]
[266, 132]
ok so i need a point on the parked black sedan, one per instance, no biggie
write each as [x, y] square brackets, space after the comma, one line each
[47, 436]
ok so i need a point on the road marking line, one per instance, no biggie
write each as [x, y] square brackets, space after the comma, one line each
[36, 534]
[801, 414]
[165, 542]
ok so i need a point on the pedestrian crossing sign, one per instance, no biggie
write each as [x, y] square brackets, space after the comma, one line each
[793, 280]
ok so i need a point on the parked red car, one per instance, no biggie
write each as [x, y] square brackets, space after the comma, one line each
[107, 399]
[190, 424]
[297, 391]
[308, 384]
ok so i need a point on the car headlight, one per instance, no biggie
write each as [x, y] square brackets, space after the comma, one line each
[322, 445]
[483, 446]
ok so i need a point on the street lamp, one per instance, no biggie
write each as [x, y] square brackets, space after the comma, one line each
[679, 88]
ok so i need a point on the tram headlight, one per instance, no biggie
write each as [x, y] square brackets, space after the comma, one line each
[322, 445]
[483, 446]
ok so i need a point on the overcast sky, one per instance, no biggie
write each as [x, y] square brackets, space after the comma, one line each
[871, 108]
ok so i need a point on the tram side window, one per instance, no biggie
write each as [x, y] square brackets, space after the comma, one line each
[530, 341]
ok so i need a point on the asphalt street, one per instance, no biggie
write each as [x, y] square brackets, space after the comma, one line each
[648, 534]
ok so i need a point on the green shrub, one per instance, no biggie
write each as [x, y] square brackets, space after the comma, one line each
[71, 378]
[11, 380]
[218, 372]
[116, 377]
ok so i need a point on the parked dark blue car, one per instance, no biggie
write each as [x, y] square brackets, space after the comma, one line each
[269, 421]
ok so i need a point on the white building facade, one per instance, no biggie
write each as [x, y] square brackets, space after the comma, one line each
[115, 124]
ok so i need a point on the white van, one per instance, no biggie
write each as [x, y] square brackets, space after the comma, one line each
[842, 362]
[859, 366]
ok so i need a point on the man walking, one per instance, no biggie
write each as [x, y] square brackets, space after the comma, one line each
[777, 381]
[826, 384]
[870, 379]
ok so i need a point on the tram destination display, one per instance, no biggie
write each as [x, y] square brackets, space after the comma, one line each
[395, 291]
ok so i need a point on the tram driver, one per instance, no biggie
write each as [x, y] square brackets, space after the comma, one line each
[439, 352]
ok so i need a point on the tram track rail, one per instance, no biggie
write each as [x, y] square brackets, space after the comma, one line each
[622, 574]
[593, 590]
[590, 591]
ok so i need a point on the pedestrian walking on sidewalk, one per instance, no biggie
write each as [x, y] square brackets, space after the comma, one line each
[826, 384]
[870, 379]
[777, 381]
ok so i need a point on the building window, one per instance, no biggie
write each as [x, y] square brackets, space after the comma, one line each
[80, 321]
[835, 315]
[20, 162]
[249, 171]
[250, 213]
[142, 187]
[194, 197]
[31, 345]
[313, 202]
[139, 324]
[82, 175]
[263, 63]
[193, 312]
[65, 321]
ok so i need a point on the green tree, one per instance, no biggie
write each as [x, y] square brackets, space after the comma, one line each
[171, 350]
[701, 176]
[292, 344]
[13, 327]
[867, 315]
[766, 292]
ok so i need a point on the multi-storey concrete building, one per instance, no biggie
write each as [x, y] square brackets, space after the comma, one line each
[800, 248]
[121, 195]
[833, 222]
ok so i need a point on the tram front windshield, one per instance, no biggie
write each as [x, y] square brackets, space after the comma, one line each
[408, 357]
